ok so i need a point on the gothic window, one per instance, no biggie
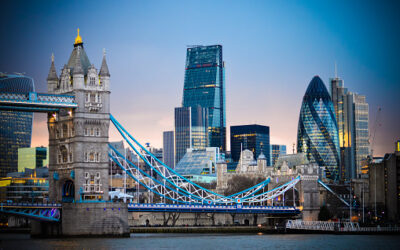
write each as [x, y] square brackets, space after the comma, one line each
[98, 175]
[92, 98]
[99, 98]
[86, 131]
[86, 157]
[57, 134]
[72, 131]
[96, 97]
[91, 157]
[65, 130]
[91, 132]
[92, 81]
[87, 99]
[59, 158]
[86, 175]
[64, 154]
[97, 132]
[97, 188]
[70, 156]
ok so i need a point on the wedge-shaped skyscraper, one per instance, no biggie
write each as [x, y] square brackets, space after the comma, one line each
[317, 134]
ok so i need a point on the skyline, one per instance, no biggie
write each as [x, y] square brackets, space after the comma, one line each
[141, 61]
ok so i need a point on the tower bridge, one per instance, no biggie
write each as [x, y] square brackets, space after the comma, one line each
[78, 104]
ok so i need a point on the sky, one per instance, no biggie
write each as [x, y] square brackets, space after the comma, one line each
[271, 49]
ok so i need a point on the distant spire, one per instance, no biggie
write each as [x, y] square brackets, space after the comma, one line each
[104, 68]
[78, 65]
[52, 72]
[335, 70]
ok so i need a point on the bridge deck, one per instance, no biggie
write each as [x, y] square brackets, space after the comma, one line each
[135, 207]
[35, 102]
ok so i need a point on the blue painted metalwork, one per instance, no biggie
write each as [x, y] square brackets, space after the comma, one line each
[35, 102]
[196, 208]
[37, 211]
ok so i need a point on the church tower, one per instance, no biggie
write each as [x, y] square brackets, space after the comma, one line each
[78, 139]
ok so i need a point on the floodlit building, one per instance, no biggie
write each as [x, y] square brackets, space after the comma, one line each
[252, 137]
[317, 134]
[15, 126]
[205, 86]
[352, 116]
[32, 158]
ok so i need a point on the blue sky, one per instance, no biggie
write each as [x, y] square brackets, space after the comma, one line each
[272, 49]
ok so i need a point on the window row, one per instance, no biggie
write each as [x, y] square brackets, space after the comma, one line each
[92, 132]
[92, 157]
[93, 97]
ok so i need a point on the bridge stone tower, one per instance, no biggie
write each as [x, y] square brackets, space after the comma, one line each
[78, 139]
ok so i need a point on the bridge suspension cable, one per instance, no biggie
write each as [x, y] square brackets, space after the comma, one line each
[172, 186]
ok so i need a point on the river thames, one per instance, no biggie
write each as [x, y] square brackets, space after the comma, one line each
[207, 241]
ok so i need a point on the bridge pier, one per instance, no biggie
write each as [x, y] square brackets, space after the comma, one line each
[45, 229]
[95, 219]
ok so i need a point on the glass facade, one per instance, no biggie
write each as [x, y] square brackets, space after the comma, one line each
[252, 137]
[352, 117]
[168, 148]
[205, 86]
[15, 127]
[276, 151]
[32, 158]
[190, 130]
[317, 134]
[198, 162]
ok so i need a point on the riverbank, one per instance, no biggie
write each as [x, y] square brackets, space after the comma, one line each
[248, 230]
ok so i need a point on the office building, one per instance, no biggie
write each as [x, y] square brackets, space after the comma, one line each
[276, 151]
[190, 130]
[32, 158]
[15, 127]
[252, 137]
[168, 148]
[384, 186]
[317, 134]
[352, 115]
[205, 86]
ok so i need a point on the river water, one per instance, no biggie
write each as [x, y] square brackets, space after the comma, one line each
[207, 241]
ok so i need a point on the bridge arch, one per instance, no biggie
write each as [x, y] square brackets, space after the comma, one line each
[68, 191]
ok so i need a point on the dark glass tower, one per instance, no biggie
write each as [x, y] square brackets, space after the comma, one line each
[252, 137]
[317, 134]
[205, 86]
[15, 127]
[190, 130]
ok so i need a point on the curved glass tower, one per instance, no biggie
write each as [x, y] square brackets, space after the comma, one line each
[317, 134]
[15, 127]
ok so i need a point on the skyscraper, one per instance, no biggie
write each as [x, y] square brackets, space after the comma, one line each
[168, 148]
[205, 86]
[276, 151]
[317, 134]
[190, 130]
[352, 117]
[15, 127]
[252, 137]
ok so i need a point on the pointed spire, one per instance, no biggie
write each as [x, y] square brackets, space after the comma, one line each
[52, 72]
[335, 70]
[78, 65]
[104, 68]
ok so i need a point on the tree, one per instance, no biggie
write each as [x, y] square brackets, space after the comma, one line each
[324, 214]
[240, 182]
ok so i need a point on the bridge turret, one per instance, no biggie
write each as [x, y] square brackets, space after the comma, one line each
[104, 73]
[52, 78]
[78, 74]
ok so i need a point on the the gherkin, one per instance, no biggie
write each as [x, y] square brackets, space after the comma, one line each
[317, 134]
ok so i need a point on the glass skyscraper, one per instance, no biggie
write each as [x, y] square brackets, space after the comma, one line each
[252, 137]
[276, 151]
[205, 86]
[352, 115]
[15, 127]
[190, 130]
[317, 134]
[168, 148]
